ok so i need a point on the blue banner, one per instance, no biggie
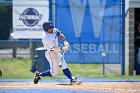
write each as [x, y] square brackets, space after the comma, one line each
[93, 28]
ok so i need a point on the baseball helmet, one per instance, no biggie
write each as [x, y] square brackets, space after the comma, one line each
[47, 25]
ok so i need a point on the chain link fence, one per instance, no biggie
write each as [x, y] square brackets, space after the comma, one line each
[17, 56]
[6, 20]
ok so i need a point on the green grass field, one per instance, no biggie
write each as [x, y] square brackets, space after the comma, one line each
[20, 69]
[16, 68]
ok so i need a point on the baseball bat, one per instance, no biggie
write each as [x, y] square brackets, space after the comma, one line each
[62, 58]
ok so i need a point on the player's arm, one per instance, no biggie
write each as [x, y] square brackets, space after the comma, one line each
[63, 38]
[59, 34]
[66, 44]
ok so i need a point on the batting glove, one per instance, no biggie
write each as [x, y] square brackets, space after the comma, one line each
[65, 48]
[66, 44]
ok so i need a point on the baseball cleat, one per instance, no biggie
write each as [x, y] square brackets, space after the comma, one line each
[75, 82]
[37, 77]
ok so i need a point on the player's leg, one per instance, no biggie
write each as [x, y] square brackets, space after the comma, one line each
[73, 80]
[48, 56]
[66, 70]
[68, 73]
[53, 62]
[38, 75]
[54, 65]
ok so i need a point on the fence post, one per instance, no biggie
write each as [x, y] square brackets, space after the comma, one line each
[33, 46]
[14, 53]
[123, 39]
[31, 50]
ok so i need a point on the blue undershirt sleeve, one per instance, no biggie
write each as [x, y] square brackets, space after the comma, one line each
[58, 32]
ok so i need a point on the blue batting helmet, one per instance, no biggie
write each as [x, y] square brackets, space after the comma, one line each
[47, 25]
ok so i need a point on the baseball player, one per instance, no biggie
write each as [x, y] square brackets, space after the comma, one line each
[52, 53]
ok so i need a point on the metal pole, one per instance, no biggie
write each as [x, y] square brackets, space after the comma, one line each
[123, 38]
[53, 11]
[14, 53]
[103, 55]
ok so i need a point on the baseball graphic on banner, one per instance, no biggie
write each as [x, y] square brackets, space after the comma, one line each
[28, 19]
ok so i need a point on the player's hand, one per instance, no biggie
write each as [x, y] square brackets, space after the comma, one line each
[66, 44]
[65, 48]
